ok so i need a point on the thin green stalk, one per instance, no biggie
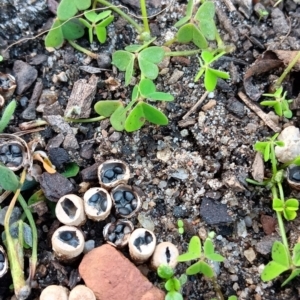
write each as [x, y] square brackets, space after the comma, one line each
[182, 53]
[15, 251]
[286, 71]
[33, 260]
[81, 49]
[145, 16]
[122, 14]
[273, 161]
[280, 220]
[96, 119]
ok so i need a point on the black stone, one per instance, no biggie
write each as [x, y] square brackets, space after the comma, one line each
[69, 208]
[58, 157]
[214, 213]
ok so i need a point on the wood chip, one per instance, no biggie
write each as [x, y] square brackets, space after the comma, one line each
[80, 101]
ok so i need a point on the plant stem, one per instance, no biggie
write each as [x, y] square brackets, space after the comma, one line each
[122, 14]
[182, 53]
[15, 251]
[96, 119]
[279, 218]
[7, 114]
[85, 51]
[145, 16]
[286, 71]
[33, 260]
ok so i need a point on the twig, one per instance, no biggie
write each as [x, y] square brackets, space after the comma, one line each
[196, 105]
[265, 117]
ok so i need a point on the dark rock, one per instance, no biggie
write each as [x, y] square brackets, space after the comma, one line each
[214, 213]
[38, 59]
[86, 151]
[25, 75]
[236, 107]
[90, 173]
[58, 156]
[179, 212]
[54, 186]
[279, 22]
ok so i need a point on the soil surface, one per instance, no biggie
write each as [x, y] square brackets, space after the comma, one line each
[193, 169]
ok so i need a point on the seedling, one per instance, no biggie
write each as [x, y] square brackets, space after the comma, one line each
[24, 236]
[210, 75]
[195, 253]
[148, 59]
[180, 225]
[97, 27]
[262, 13]
[129, 118]
[173, 285]
[282, 260]
[7, 114]
[280, 104]
[199, 28]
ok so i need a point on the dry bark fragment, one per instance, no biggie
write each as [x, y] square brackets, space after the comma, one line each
[83, 93]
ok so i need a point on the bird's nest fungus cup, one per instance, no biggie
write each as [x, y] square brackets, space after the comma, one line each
[127, 201]
[14, 152]
[112, 173]
[118, 233]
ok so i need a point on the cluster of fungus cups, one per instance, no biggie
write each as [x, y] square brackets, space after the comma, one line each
[96, 204]
[71, 210]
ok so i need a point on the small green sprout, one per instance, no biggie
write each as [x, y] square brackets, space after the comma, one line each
[199, 28]
[7, 114]
[262, 13]
[172, 285]
[97, 27]
[280, 104]
[287, 207]
[210, 75]
[1, 58]
[180, 225]
[195, 253]
[282, 260]
[148, 59]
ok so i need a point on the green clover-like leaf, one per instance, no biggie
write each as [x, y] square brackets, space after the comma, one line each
[194, 250]
[135, 119]
[148, 60]
[278, 204]
[205, 15]
[107, 107]
[198, 38]
[165, 272]
[173, 284]
[272, 270]
[124, 61]
[117, 119]
[8, 179]
[71, 170]
[202, 268]
[173, 295]
[210, 80]
[71, 30]
[185, 33]
[68, 8]
[296, 255]
[153, 115]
